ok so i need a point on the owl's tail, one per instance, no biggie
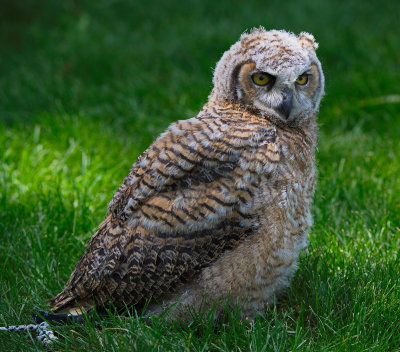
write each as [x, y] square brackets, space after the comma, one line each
[64, 303]
[78, 294]
[67, 302]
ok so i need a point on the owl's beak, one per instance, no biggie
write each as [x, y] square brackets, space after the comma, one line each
[285, 107]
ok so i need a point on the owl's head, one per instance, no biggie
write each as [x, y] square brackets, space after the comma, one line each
[275, 73]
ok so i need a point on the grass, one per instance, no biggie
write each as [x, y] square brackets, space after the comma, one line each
[86, 86]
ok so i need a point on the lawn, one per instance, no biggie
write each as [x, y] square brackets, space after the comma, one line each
[85, 86]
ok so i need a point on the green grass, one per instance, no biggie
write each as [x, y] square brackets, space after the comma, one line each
[85, 86]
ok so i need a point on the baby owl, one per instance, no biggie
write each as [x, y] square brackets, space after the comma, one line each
[216, 210]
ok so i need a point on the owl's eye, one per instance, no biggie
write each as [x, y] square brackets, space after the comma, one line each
[302, 79]
[262, 78]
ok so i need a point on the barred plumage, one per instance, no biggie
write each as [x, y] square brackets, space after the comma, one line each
[218, 207]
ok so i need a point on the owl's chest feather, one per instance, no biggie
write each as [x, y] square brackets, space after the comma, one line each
[284, 171]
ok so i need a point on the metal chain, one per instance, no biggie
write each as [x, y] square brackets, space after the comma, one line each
[43, 331]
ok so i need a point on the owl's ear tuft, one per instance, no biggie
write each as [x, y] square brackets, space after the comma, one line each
[308, 40]
[253, 32]
[257, 30]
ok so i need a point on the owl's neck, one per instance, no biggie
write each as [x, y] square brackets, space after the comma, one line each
[220, 107]
[221, 95]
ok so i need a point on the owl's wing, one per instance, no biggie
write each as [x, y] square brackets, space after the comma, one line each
[183, 204]
[185, 148]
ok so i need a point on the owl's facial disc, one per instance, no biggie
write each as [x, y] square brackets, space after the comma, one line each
[267, 81]
[286, 96]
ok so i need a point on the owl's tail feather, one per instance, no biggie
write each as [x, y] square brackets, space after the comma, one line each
[67, 304]
[58, 303]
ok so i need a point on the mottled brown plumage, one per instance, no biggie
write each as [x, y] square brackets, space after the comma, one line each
[218, 207]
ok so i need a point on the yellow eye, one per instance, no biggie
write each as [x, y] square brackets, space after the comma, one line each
[302, 79]
[261, 78]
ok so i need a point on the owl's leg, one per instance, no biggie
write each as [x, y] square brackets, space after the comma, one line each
[175, 303]
[190, 303]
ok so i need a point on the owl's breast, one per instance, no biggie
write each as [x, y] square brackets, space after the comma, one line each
[286, 184]
[296, 179]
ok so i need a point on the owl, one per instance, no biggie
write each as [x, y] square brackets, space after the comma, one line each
[217, 209]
